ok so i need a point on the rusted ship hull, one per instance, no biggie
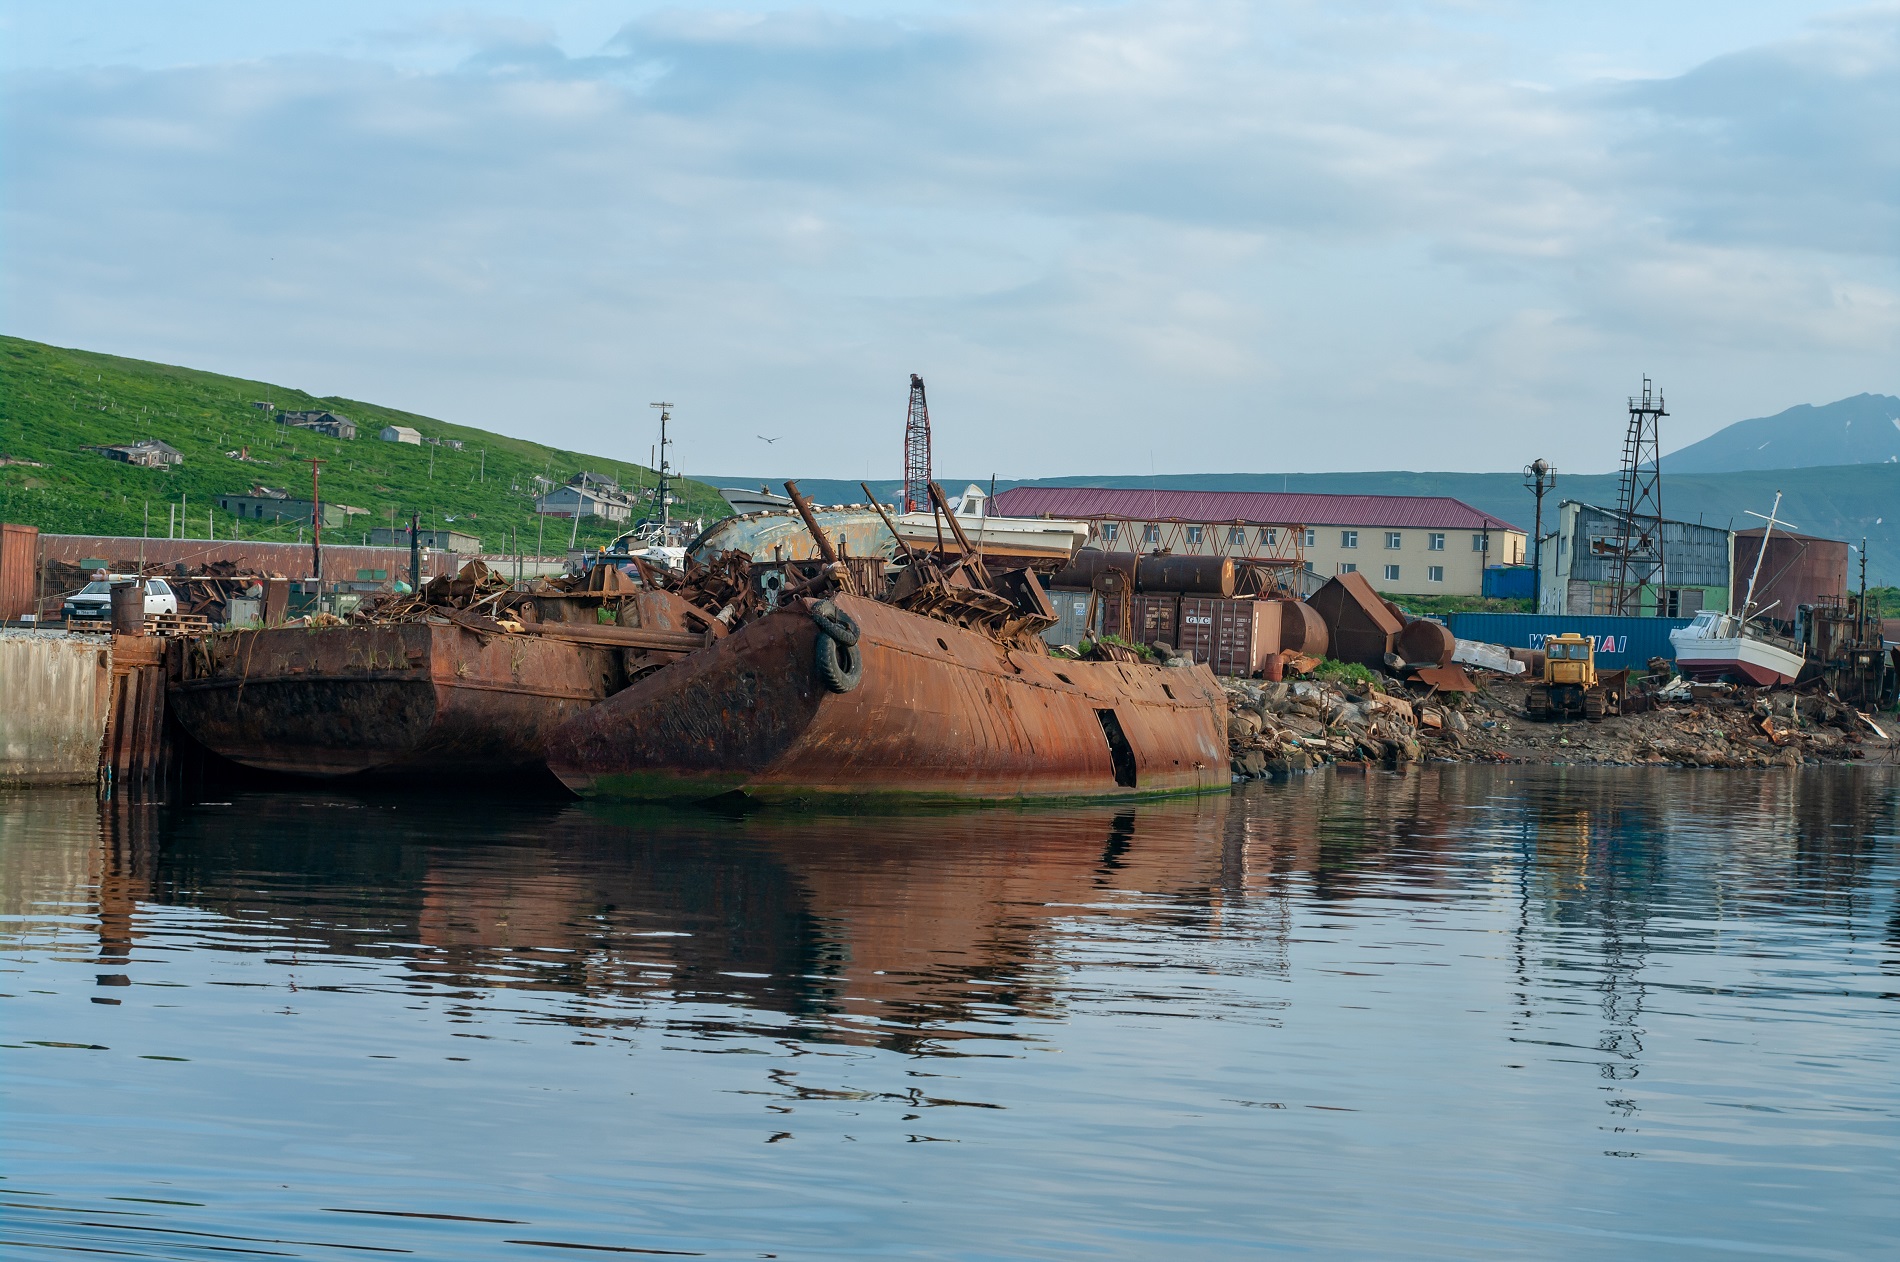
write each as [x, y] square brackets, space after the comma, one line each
[400, 699]
[940, 714]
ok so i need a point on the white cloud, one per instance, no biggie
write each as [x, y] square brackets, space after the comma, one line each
[1155, 224]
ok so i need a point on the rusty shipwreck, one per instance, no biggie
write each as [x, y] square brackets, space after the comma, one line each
[466, 679]
[935, 688]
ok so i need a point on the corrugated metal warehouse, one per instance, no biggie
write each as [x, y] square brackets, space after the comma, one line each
[1579, 579]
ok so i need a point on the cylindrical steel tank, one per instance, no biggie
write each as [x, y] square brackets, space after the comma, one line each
[1188, 575]
[1428, 642]
[128, 608]
[1302, 628]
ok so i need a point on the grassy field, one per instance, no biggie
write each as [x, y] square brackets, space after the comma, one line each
[54, 402]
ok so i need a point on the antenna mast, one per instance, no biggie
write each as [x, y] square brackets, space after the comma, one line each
[666, 480]
[917, 450]
[1638, 550]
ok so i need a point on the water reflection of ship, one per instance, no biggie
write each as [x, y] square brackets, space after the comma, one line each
[898, 932]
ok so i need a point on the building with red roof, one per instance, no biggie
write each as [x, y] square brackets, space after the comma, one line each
[1426, 545]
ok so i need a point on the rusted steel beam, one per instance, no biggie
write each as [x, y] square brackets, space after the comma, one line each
[619, 637]
[826, 549]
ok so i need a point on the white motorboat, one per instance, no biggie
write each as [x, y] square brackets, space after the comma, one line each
[1032, 538]
[1720, 644]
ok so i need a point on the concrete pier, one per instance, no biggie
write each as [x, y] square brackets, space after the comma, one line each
[55, 694]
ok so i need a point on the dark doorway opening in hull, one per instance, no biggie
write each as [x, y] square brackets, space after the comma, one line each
[1120, 752]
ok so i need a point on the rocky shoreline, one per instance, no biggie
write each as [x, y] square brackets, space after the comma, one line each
[1277, 729]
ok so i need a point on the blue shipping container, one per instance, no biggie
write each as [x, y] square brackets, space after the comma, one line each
[1620, 641]
[1510, 582]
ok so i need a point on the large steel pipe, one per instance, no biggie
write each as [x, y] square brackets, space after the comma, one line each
[1157, 572]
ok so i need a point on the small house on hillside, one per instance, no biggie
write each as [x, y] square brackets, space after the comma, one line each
[321, 421]
[400, 434]
[440, 540]
[149, 453]
[601, 480]
[584, 501]
[265, 503]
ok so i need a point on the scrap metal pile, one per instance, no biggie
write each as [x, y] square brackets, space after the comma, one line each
[1278, 728]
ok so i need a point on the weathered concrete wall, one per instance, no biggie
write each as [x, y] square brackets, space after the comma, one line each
[53, 694]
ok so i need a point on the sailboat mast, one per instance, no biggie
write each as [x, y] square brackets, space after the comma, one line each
[1748, 602]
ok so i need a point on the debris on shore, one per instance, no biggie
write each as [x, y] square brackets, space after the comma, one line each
[1297, 725]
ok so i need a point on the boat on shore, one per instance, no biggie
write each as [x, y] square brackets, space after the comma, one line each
[1721, 645]
[1717, 645]
[918, 710]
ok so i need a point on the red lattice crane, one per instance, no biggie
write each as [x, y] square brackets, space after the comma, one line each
[917, 450]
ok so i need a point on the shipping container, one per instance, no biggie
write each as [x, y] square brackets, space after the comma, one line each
[1157, 619]
[1233, 637]
[1071, 606]
[1619, 641]
[1510, 582]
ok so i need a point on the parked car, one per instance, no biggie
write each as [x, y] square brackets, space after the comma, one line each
[94, 600]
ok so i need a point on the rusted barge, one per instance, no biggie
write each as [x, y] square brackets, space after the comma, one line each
[940, 691]
[937, 712]
[438, 699]
[466, 680]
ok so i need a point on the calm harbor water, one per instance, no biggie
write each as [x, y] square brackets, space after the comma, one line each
[1463, 1012]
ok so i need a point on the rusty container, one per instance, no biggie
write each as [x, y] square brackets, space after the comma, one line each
[1157, 619]
[1427, 643]
[128, 608]
[19, 560]
[1359, 627]
[1302, 629]
[1233, 637]
[1199, 575]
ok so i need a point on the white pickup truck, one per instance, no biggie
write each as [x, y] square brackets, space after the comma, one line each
[94, 600]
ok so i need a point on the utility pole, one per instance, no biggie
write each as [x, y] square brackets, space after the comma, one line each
[316, 527]
[1539, 477]
[415, 552]
[666, 481]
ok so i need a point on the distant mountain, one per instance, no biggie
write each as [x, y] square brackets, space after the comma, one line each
[1862, 430]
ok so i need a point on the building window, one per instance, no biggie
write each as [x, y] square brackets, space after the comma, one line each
[1309, 567]
[1269, 537]
[1151, 534]
[1236, 537]
[1194, 534]
[1434, 573]
[1312, 538]
[1393, 539]
[1435, 542]
[1348, 538]
[1481, 543]
[1347, 567]
[1109, 530]
[1391, 573]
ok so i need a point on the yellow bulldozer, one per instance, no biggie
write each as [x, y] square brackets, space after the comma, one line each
[1571, 686]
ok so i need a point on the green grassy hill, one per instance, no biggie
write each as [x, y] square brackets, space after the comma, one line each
[54, 402]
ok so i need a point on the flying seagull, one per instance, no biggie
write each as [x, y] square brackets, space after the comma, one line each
[764, 439]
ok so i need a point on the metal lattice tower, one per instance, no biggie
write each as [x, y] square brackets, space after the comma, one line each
[917, 450]
[1637, 553]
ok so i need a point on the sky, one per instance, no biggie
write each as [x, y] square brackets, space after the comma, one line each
[1124, 238]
